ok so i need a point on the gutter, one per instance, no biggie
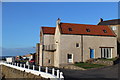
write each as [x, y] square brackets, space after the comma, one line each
[81, 48]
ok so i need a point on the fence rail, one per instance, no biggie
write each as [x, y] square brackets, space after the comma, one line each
[45, 72]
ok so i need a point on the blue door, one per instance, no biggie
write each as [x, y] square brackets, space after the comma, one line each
[91, 53]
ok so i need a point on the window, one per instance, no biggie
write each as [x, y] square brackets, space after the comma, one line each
[106, 52]
[49, 61]
[70, 58]
[77, 44]
[88, 30]
[70, 29]
[104, 31]
[114, 28]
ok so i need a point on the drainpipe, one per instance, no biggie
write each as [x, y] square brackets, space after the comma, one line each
[43, 46]
[81, 48]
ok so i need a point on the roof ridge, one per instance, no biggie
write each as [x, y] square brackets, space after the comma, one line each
[110, 20]
[83, 24]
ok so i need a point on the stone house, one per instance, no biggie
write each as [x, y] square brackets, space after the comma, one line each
[37, 53]
[28, 56]
[115, 26]
[10, 59]
[68, 43]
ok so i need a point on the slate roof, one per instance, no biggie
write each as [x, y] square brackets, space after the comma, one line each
[110, 22]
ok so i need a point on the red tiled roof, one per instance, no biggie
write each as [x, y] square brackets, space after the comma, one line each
[48, 30]
[81, 29]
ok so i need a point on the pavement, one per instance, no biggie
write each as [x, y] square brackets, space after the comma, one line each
[105, 73]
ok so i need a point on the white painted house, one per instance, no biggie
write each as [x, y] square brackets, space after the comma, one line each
[10, 59]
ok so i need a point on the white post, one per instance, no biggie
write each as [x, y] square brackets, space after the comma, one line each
[53, 71]
[28, 66]
[24, 65]
[61, 75]
[58, 73]
[46, 69]
[33, 67]
[20, 65]
[17, 64]
[39, 68]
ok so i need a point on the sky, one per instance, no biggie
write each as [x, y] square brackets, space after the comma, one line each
[21, 21]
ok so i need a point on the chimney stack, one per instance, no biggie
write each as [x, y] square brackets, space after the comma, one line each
[101, 20]
[58, 21]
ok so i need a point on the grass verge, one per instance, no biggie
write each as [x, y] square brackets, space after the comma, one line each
[88, 65]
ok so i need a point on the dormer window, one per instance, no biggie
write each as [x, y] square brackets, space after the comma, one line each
[104, 31]
[88, 30]
[70, 29]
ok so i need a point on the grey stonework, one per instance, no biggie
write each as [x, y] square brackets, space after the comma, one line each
[103, 62]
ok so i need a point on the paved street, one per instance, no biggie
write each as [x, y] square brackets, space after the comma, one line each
[93, 74]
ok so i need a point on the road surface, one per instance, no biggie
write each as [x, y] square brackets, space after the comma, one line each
[107, 73]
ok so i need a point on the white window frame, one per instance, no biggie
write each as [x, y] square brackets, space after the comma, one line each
[68, 60]
[105, 53]
[111, 52]
[114, 28]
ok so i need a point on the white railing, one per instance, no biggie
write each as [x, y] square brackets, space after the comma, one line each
[43, 71]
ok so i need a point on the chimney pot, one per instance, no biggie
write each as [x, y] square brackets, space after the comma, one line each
[58, 18]
[101, 19]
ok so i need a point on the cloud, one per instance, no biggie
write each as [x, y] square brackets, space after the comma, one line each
[16, 51]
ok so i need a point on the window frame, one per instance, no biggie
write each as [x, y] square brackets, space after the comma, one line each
[106, 53]
[70, 29]
[105, 31]
[114, 28]
[49, 61]
[77, 45]
[88, 30]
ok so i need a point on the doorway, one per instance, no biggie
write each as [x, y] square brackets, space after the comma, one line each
[92, 53]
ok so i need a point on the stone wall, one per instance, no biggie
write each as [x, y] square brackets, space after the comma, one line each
[12, 73]
[103, 62]
[71, 66]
